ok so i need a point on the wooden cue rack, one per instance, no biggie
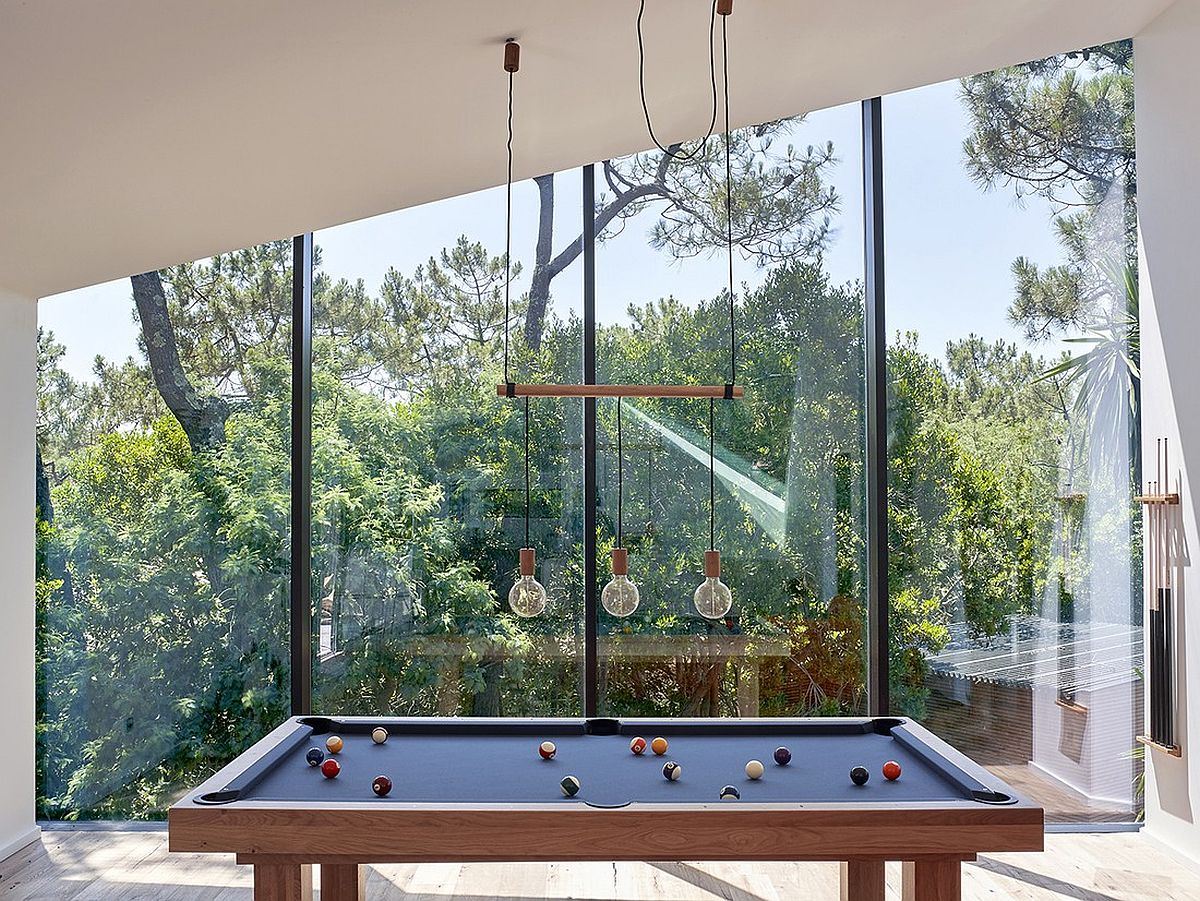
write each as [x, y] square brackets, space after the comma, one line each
[1160, 537]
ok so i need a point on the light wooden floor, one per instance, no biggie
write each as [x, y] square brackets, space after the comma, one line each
[91, 865]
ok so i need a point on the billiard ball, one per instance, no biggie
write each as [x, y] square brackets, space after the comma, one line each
[859, 775]
[783, 756]
[381, 785]
[754, 769]
[330, 768]
[730, 793]
[547, 749]
[659, 746]
[379, 735]
[638, 745]
[314, 756]
[569, 786]
[335, 744]
[891, 771]
[672, 771]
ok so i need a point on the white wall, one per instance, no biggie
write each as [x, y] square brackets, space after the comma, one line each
[18, 383]
[1168, 137]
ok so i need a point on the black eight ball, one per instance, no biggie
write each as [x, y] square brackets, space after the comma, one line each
[859, 775]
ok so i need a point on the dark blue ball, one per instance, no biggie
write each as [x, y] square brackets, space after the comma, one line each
[314, 756]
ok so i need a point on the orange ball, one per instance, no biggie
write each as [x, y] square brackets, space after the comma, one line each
[659, 746]
[334, 744]
[891, 771]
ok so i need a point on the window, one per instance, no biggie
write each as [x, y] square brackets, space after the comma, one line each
[163, 527]
[1013, 581]
[1015, 575]
[789, 476]
[418, 467]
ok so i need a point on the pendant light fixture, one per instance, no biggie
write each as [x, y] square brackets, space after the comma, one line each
[713, 598]
[527, 597]
[620, 596]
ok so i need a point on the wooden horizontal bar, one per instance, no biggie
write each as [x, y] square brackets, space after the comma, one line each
[1173, 750]
[717, 391]
[1157, 498]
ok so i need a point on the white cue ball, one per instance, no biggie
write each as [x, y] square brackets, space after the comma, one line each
[379, 735]
[754, 769]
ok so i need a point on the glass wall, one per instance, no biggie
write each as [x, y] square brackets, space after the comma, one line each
[1014, 579]
[789, 482]
[1014, 424]
[163, 483]
[419, 468]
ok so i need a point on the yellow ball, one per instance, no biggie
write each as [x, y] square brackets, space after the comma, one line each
[334, 744]
[659, 746]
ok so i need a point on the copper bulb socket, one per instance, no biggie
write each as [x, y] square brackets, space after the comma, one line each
[620, 561]
[712, 564]
[528, 561]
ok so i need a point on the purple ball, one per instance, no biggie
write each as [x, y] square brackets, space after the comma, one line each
[783, 756]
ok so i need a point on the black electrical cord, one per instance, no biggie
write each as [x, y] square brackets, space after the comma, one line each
[728, 202]
[712, 70]
[620, 476]
[527, 471]
[712, 484]
[508, 229]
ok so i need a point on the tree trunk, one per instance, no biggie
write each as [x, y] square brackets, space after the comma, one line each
[55, 562]
[543, 273]
[202, 418]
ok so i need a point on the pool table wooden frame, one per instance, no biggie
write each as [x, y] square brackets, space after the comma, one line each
[282, 839]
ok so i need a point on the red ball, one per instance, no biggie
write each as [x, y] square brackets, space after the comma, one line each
[891, 771]
[330, 768]
[547, 750]
[638, 745]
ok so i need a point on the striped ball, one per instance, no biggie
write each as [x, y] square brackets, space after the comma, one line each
[672, 770]
[569, 786]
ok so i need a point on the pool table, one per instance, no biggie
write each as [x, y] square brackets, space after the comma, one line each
[478, 790]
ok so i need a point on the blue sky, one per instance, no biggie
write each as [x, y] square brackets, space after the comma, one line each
[949, 244]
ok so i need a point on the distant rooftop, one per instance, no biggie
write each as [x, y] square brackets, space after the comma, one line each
[1038, 652]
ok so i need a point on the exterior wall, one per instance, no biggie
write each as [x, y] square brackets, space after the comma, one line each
[18, 384]
[1168, 133]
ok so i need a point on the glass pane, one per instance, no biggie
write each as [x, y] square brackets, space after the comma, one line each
[1014, 424]
[163, 529]
[788, 478]
[418, 467]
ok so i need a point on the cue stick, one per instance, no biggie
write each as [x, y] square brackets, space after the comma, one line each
[1167, 614]
[1155, 663]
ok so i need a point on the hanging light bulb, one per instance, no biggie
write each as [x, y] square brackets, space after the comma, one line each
[527, 597]
[713, 598]
[620, 596]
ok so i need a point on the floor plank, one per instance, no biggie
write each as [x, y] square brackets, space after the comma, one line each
[115, 865]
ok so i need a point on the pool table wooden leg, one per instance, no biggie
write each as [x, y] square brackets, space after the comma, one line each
[933, 879]
[862, 880]
[282, 882]
[343, 882]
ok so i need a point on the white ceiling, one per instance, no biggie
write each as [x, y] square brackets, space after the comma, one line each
[139, 133]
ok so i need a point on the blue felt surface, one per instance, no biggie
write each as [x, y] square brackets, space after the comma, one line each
[433, 766]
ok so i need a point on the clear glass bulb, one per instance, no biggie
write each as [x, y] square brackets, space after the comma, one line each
[713, 598]
[620, 596]
[527, 597]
